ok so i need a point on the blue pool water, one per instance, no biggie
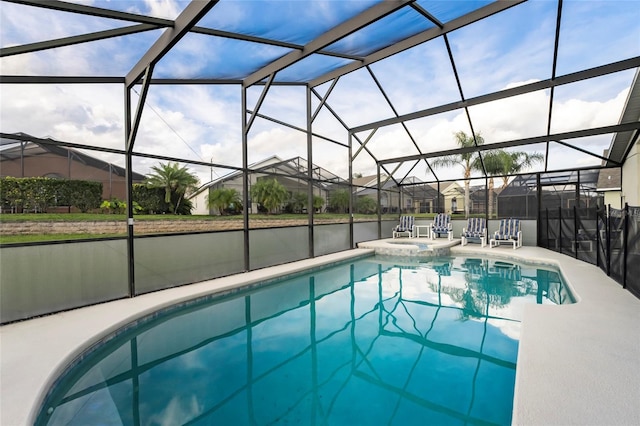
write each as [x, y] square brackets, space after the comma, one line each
[372, 341]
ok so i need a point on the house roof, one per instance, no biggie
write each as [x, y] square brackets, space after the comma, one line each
[10, 149]
[609, 180]
[292, 168]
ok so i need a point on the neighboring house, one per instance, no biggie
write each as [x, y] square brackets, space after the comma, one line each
[478, 196]
[610, 185]
[291, 173]
[519, 198]
[454, 198]
[416, 196]
[425, 198]
[560, 190]
[625, 147]
[367, 186]
[453, 195]
[23, 155]
[631, 173]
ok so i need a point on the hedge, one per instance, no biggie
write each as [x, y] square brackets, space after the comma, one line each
[38, 194]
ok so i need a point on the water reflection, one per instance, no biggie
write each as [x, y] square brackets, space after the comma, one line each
[372, 342]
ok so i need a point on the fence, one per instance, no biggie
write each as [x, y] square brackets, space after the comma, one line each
[603, 236]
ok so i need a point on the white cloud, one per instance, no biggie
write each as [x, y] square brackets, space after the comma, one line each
[163, 8]
[574, 114]
[91, 114]
[285, 143]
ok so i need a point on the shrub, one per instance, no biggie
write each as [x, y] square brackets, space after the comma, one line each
[38, 194]
[366, 205]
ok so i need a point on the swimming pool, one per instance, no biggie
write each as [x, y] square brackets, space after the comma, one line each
[376, 340]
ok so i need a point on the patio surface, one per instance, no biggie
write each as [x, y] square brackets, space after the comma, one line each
[577, 364]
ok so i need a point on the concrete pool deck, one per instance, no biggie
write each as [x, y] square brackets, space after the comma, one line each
[577, 364]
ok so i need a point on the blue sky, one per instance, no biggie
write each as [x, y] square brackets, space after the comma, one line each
[203, 123]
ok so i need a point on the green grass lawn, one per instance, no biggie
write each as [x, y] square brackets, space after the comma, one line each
[96, 217]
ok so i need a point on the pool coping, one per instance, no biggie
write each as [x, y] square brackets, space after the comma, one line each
[562, 376]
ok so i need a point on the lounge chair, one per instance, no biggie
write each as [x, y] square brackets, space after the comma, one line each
[441, 225]
[404, 227]
[475, 230]
[509, 231]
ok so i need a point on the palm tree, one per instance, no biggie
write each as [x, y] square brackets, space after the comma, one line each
[494, 162]
[269, 192]
[516, 162]
[174, 179]
[468, 161]
[222, 198]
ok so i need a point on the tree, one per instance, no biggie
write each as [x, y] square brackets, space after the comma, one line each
[494, 161]
[176, 181]
[297, 202]
[269, 193]
[318, 202]
[468, 161]
[223, 198]
[339, 201]
[366, 205]
[516, 162]
[499, 162]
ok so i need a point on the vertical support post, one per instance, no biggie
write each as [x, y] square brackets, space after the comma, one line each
[129, 195]
[310, 209]
[560, 228]
[245, 181]
[539, 199]
[131, 130]
[608, 236]
[69, 174]
[625, 245]
[351, 239]
[486, 197]
[598, 236]
[379, 195]
[577, 203]
[576, 243]
[547, 227]
[486, 202]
